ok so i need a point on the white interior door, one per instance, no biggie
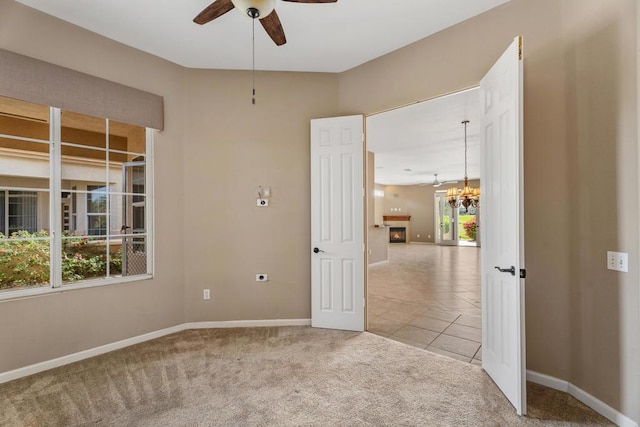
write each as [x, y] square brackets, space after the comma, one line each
[337, 223]
[503, 329]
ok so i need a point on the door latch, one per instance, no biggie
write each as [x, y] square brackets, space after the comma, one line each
[511, 270]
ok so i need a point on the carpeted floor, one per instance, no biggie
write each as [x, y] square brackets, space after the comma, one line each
[287, 376]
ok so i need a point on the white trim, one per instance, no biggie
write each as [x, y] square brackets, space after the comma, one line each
[81, 355]
[46, 289]
[247, 324]
[594, 403]
[96, 351]
[386, 261]
[548, 381]
[55, 198]
[150, 203]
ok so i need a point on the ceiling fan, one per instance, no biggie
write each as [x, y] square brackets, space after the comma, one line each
[437, 183]
[263, 10]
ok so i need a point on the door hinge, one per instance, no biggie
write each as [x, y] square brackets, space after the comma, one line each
[364, 302]
[523, 273]
[520, 48]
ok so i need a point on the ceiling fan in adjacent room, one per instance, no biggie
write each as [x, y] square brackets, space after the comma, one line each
[263, 10]
[437, 183]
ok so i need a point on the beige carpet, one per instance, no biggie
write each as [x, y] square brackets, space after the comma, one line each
[292, 376]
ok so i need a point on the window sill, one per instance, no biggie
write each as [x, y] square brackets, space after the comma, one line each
[35, 292]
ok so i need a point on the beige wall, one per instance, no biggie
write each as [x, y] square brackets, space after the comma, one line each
[417, 201]
[581, 183]
[233, 147]
[580, 142]
[46, 327]
[377, 238]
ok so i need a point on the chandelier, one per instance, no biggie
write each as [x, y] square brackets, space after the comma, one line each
[469, 196]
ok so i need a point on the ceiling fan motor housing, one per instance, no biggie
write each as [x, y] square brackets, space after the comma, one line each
[255, 8]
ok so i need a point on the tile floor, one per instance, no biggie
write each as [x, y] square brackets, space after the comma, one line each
[428, 296]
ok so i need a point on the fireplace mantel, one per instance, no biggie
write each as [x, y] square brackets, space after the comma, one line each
[396, 217]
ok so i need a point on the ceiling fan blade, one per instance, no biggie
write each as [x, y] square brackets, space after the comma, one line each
[213, 11]
[312, 1]
[273, 27]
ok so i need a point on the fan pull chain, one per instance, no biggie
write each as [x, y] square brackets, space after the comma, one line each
[253, 75]
[466, 122]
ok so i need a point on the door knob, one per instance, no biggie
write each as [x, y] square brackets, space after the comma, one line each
[511, 270]
[316, 250]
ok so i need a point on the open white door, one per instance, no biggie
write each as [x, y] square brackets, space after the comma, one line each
[503, 328]
[337, 223]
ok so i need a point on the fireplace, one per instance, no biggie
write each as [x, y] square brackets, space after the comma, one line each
[397, 235]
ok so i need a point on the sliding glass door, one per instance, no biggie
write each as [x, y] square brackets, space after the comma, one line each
[446, 221]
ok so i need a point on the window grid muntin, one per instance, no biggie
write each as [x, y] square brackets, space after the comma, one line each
[24, 138]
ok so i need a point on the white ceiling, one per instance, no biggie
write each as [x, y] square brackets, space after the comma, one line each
[331, 37]
[426, 138]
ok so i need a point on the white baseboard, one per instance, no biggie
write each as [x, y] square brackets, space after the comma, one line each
[81, 355]
[386, 261]
[96, 351]
[594, 403]
[548, 381]
[247, 324]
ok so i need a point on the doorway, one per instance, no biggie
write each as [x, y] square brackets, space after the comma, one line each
[338, 295]
[426, 293]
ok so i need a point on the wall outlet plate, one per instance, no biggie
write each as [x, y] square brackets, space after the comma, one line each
[206, 294]
[262, 203]
[262, 277]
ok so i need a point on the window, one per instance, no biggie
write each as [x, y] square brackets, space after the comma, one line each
[22, 211]
[74, 215]
[96, 210]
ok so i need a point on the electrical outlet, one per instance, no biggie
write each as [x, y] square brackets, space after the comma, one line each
[263, 203]
[262, 277]
[206, 294]
[618, 261]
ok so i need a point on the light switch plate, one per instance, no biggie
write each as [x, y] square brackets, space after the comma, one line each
[618, 261]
